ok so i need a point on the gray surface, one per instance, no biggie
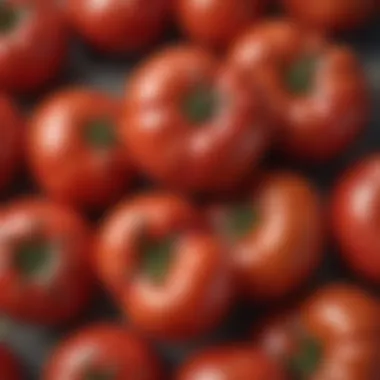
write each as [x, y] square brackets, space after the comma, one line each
[33, 343]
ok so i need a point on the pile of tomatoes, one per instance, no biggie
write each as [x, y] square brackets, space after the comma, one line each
[163, 197]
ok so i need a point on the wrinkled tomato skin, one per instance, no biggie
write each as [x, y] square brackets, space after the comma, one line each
[9, 368]
[330, 15]
[64, 288]
[119, 26]
[216, 23]
[196, 291]
[11, 143]
[342, 320]
[212, 156]
[231, 363]
[35, 50]
[101, 348]
[70, 169]
[284, 246]
[355, 218]
[313, 126]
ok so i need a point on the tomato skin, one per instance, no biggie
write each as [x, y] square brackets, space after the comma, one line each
[9, 368]
[342, 320]
[168, 145]
[73, 170]
[64, 283]
[288, 226]
[354, 217]
[314, 125]
[231, 363]
[216, 23]
[33, 52]
[119, 26]
[103, 347]
[330, 15]
[197, 278]
[11, 143]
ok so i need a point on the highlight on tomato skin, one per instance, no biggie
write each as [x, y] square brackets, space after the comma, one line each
[10, 368]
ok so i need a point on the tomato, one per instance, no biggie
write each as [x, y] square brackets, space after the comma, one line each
[216, 23]
[355, 217]
[33, 44]
[44, 251]
[330, 15]
[191, 124]
[275, 235]
[231, 363]
[9, 367]
[316, 91]
[333, 335]
[102, 352]
[85, 165]
[168, 273]
[11, 144]
[119, 26]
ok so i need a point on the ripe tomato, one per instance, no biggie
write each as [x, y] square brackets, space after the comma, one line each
[74, 150]
[231, 363]
[44, 253]
[330, 15]
[11, 144]
[33, 44]
[191, 124]
[275, 236]
[216, 23]
[169, 275]
[102, 352]
[355, 217]
[334, 335]
[316, 91]
[119, 26]
[9, 367]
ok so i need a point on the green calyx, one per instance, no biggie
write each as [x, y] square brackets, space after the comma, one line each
[99, 374]
[9, 17]
[300, 76]
[241, 219]
[200, 105]
[100, 134]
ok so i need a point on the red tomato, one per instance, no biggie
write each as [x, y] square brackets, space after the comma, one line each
[334, 335]
[191, 124]
[11, 144]
[330, 15]
[169, 275]
[9, 367]
[355, 217]
[231, 363]
[33, 44]
[119, 26]
[102, 352]
[74, 150]
[316, 91]
[216, 23]
[45, 252]
[275, 236]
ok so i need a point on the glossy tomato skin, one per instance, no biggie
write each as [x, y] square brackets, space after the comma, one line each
[99, 350]
[34, 50]
[333, 335]
[9, 368]
[331, 15]
[11, 143]
[216, 23]
[195, 287]
[355, 217]
[283, 244]
[119, 26]
[231, 363]
[309, 85]
[161, 131]
[45, 260]
[85, 166]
